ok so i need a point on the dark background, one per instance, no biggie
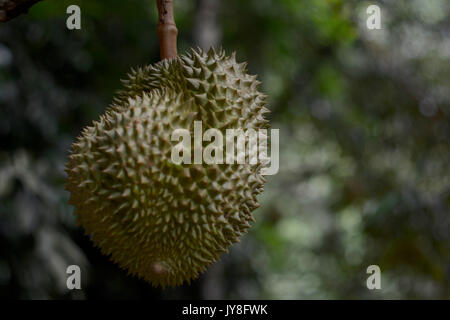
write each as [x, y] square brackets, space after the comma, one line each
[364, 130]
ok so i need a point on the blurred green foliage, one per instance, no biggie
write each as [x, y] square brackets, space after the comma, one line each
[364, 129]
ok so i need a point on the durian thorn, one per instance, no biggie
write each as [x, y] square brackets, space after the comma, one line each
[159, 268]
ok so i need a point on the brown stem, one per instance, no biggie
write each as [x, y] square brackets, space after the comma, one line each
[167, 30]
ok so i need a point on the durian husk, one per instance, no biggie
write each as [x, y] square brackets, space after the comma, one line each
[163, 222]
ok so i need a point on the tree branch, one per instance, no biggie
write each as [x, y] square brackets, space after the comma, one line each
[10, 9]
[167, 30]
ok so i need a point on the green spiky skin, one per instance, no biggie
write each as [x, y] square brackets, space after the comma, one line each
[160, 221]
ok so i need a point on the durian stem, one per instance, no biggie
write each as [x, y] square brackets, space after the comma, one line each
[167, 30]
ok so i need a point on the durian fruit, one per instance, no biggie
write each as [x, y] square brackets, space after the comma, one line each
[161, 221]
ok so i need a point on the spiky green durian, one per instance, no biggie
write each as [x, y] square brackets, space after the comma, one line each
[161, 221]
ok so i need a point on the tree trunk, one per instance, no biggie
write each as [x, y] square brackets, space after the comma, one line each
[207, 31]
